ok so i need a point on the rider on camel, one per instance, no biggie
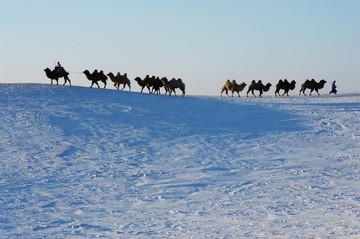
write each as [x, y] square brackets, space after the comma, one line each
[59, 68]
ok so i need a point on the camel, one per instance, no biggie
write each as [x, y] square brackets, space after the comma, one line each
[284, 85]
[95, 77]
[312, 85]
[149, 81]
[226, 88]
[157, 84]
[258, 86]
[55, 75]
[232, 86]
[173, 84]
[235, 87]
[153, 84]
[119, 80]
[165, 83]
[142, 84]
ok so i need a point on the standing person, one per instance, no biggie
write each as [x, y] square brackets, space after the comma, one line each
[333, 88]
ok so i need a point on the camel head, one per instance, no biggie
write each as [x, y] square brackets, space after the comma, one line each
[111, 75]
[292, 85]
[321, 83]
[267, 87]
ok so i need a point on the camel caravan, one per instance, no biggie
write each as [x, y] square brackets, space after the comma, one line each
[155, 84]
[284, 85]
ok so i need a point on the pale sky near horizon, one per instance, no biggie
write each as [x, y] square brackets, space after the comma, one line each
[204, 42]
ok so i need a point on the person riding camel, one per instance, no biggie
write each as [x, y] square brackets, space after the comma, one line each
[59, 68]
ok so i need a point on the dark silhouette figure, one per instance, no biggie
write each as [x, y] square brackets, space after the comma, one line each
[56, 74]
[333, 88]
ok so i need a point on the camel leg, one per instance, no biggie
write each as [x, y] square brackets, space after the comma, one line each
[303, 91]
[104, 84]
[222, 91]
[253, 93]
[66, 80]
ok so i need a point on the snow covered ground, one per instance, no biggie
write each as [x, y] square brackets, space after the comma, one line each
[87, 163]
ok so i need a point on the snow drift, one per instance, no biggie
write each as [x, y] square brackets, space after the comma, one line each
[78, 162]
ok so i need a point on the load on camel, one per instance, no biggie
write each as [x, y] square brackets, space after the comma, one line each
[95, 77]
[233, 87]
[312, 85]
[258, 86]
[120, 80]
[56, 74]
[284, 85]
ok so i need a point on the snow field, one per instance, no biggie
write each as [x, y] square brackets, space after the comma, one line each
[78, 162]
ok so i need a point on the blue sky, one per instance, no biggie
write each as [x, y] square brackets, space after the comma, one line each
[204, 42]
